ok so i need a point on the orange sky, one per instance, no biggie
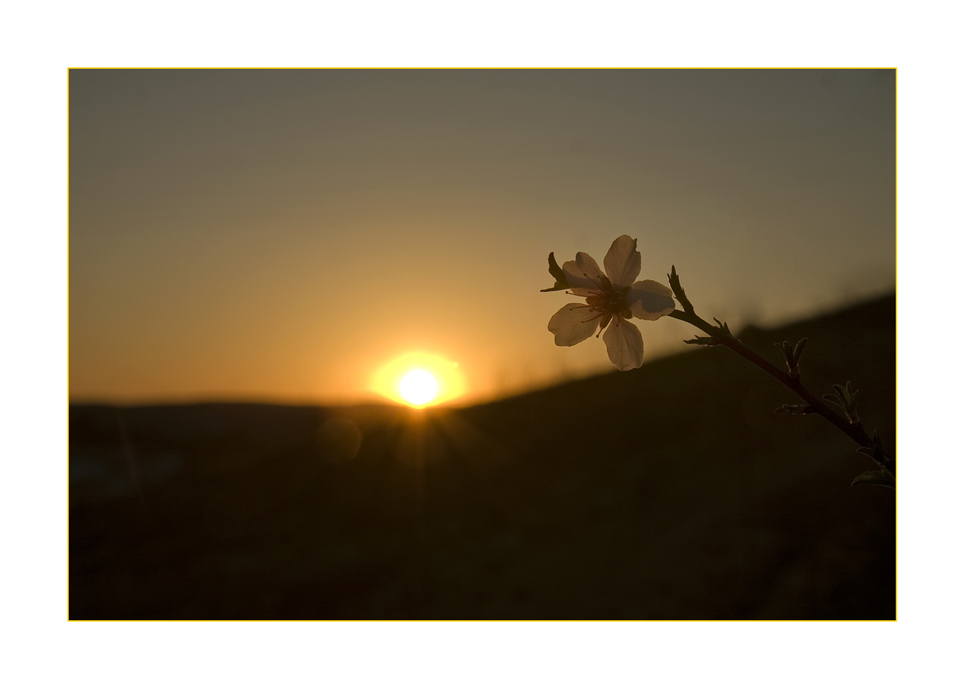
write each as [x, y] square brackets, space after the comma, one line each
[283, 235]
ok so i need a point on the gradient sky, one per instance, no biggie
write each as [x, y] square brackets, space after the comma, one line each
[281, 235]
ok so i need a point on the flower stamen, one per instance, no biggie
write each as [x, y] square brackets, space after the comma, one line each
[597, 284]
[604, 322]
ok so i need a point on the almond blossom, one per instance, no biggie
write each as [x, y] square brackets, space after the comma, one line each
[611, 300]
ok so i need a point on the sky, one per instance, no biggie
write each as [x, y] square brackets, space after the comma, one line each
[286, 235]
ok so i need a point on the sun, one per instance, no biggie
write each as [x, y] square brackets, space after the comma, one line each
[418, 387]
[419, 379]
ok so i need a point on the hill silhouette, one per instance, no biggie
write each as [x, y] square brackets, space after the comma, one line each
[668, 492]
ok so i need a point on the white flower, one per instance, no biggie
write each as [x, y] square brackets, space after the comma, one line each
[611, 299]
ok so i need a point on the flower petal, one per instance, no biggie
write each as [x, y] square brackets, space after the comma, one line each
[573, 323]
[584, 273]
[624, 344]
[622, 261]
[650, 300]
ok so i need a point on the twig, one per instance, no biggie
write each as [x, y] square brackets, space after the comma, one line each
[721, 335]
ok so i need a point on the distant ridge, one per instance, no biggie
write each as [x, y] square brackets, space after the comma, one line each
[880, 310]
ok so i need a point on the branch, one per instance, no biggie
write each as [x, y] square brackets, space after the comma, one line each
[721, 335]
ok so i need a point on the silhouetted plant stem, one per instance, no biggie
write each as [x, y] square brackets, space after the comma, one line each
[721, 335]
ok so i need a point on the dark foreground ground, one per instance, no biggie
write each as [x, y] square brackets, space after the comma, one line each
[670, 492]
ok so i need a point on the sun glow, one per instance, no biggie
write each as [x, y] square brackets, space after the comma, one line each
[418, 387]
[419, 379]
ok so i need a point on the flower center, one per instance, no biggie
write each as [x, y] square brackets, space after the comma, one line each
[609, 300]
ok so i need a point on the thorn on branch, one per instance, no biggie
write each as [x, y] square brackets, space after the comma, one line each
[723, 327]
[678, 291]
[706, 341]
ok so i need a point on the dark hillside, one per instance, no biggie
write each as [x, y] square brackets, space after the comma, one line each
[669, 492]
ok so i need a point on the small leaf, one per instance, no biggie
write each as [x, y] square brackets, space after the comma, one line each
[555, 269]
[880, 477]
[794, 409]
[844, 398]
[792, 355]
[557, 274]
[877, 453]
